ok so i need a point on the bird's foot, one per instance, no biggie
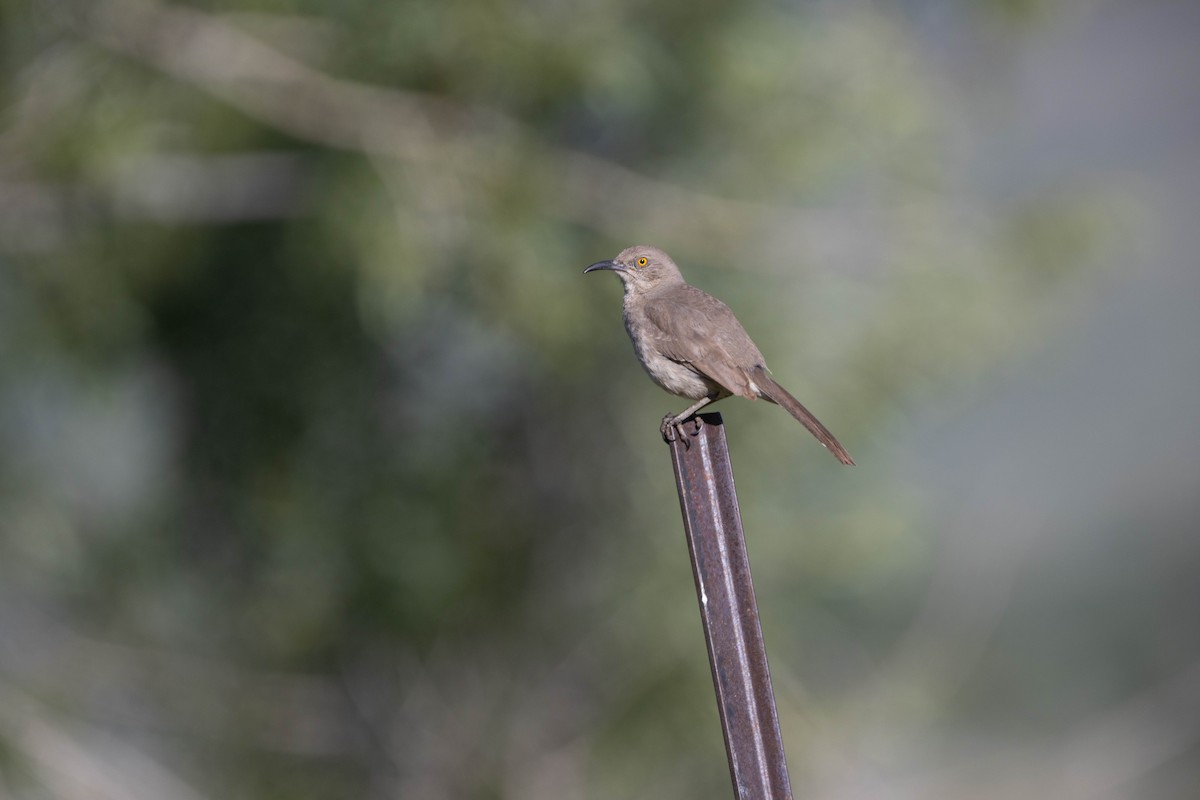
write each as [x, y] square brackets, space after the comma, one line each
[672, 425]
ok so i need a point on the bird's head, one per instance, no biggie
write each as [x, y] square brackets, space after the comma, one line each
[641, 268]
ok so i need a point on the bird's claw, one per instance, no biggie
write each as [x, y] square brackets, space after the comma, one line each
[667, 429]
[671, 425]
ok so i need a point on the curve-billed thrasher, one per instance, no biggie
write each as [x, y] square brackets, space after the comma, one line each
[691, 344]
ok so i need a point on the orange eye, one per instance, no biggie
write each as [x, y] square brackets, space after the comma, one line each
[642, 261]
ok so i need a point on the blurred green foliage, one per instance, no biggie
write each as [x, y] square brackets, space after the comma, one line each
[323, 471]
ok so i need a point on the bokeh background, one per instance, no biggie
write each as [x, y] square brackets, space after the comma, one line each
[324, 473]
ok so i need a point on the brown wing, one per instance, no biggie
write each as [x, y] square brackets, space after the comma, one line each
[695, 328]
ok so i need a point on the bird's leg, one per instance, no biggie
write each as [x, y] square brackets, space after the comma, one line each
[673, 423]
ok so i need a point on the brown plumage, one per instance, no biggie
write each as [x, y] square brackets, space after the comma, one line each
[692, 345]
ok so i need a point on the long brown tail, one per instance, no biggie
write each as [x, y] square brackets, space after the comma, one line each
[777, 394]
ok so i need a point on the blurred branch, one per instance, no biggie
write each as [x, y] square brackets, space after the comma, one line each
[81, 764]
[209, 188]
[471, 140]
[178, 188]
[240, 70]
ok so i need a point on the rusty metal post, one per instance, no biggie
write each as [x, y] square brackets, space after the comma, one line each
[729, 612]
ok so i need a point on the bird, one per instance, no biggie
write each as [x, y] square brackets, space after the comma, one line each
[692, 345]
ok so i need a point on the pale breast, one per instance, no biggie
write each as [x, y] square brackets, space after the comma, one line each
[674, 377]
[677, 378]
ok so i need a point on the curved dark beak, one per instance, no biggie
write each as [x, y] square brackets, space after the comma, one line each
[604, 265]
